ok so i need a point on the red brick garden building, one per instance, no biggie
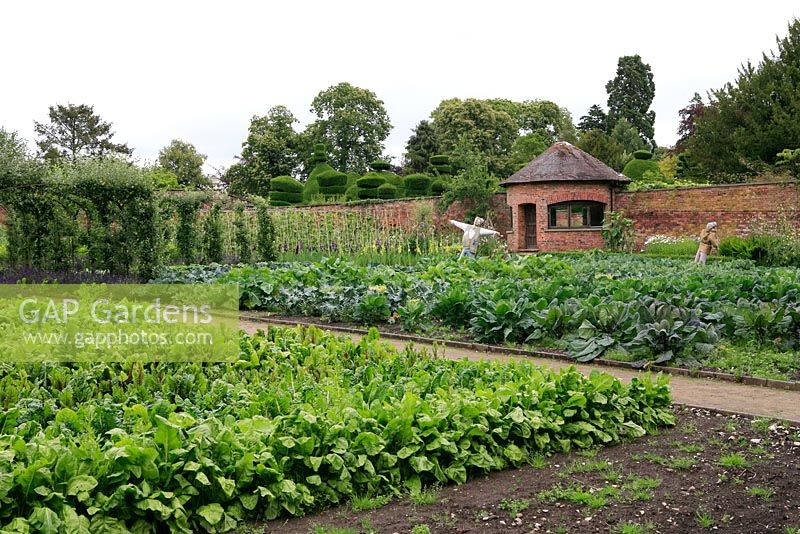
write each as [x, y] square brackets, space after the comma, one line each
[558, 201]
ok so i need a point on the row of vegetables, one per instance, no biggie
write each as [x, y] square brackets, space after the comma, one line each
[655, 309]
[303, 420]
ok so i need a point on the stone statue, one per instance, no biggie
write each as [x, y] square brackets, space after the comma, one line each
[472, 236]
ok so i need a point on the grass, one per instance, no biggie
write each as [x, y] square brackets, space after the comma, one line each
[592, 466]
[791, 530]
[641, 488]
[333, 530]
[690, 448]
[514, 506]
[749, 360]
[537, 461]
[421, 529]
[634, 528]
[684, 462]
[734, 460]
[682, 247]
[359, 504]
[704, 519]
[578, 495]
[765, 494]
[425, 497]
[761, 424]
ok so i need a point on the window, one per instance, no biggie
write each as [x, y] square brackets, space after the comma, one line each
[576, 215]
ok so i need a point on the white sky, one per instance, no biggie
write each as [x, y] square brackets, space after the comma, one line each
[198, 71]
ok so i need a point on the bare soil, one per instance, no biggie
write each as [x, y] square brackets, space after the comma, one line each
[709, 472]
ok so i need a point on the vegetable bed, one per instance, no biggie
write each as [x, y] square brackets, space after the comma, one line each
[641, 309]
[303, 420]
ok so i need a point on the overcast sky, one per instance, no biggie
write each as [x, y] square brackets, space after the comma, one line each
[198, 71]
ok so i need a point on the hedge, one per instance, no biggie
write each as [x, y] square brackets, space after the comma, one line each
[636, 168]
[443, 169]
[333, 190]
[370, 181]
[417, 184]
[285, 184]
[279, 203]
[331, 178]
[438, 187]
[387, 191]
[368, 193]
[380, 165]
[282, 196]
[642, 154]
[440, 159]
[352, 193]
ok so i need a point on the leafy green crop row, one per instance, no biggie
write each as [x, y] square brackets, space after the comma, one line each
[302, 421]
[654, 309]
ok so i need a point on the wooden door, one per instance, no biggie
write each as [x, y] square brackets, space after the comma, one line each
[529, 213]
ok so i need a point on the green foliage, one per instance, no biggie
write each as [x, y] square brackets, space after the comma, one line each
[635, 169]
[380, 165]
[420, 147]
[438, 187]
[183, 160]
[289, 198]
[618, 232]
[242, 182]
[370, 181]
[653, 309]
[418, 185]
[75, 131]
[331, 179]
[242, 237]
[387, 191]
[627, 136]
[642, 154]
[486, 130]
[765, 247]
[311, 191]
[352, 193]
[603, 147]
[187, 207]
[286, 184]
[630, 95]
[265, 243]
[789, 160]
[685, 247]
[526, 148]
[99, 214]
[751, 120]
[238, 442]
[440, 159]
[473, 185]
[595, 119]
[272, 148]
[162, 178]
[351, 121]
[213, 246]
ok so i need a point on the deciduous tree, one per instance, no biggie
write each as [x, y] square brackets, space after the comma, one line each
[353, 123]
[485, 129]
[183, 160]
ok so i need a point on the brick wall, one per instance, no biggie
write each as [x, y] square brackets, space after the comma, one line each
[684, 212]
[402, 213]
[541, 195]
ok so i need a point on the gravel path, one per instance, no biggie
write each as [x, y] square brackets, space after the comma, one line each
[705, 393]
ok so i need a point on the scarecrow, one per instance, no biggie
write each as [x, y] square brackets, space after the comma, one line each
[472, 236]
[708, 242]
